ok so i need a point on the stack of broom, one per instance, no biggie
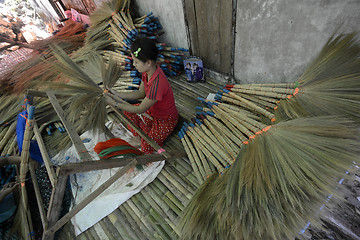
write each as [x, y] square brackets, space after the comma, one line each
[287, 144]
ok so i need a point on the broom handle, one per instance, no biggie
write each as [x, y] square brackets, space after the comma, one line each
[275, 85]
[24, 165]
[138, 130]
[223, 139]
[194, 166]
[219, 149]
[260, 93]
[211, 146]
[264, 89]
[252, 106]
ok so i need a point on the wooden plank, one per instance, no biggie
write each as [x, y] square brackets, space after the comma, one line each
[90, 5]
[75, 138]
[56, 199]
[38, 198]
[72, 168]
[51, 231]
[78, 5]
[213, 34]
[191, 24]
[45, 155]
[140, 132]
[226, 31]
[203, 29]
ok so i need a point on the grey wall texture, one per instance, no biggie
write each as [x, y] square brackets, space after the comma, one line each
[277, 39]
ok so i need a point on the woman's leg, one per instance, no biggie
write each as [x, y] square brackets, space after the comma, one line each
[160, 130]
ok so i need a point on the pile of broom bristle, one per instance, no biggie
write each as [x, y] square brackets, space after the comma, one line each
[291, 142]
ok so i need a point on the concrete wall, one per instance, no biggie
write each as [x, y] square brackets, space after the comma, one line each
[276, 39]
[171, 17]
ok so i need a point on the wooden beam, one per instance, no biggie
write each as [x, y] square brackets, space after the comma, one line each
[38, 197]
[72, 168]
[88, 199]
[56, 200]
[45, 155]
[75, 138]
[140, 132]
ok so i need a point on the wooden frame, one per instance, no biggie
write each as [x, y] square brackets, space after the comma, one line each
[51, 222]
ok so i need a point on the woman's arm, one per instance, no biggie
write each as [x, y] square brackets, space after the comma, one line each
[143, 107]
[138, 94]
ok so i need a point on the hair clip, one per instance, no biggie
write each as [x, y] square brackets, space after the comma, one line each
[136, 53]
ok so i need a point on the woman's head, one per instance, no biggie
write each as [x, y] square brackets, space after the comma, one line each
[144, 49]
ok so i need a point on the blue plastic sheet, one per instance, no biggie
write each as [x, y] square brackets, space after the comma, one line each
[34, 150]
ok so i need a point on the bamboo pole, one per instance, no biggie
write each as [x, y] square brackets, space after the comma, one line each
[232, 128]
[153, 217]
[277, 85]
[209, 145]
[250, 105]
[167, 192]
[125, 223]
[177, 176]
[199, 172]
[220, 135]
[180, 187]
[148, 229]
[237, 124]
[25, 153]
[158, 204]
[179, 195]
[251, 121]
[204, 162]
[3, 131]
[105, 227]
[259, 101]
[206, 152]
[12, 146]
[119, 227]
[218, 150]
[132, 222]
[7, 135]
[24, 168]
[7, 145]
[273, 89]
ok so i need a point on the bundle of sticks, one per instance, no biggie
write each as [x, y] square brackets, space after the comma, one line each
[112, 22]
[287, 144]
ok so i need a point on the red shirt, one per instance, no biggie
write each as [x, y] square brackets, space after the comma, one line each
[158, 88]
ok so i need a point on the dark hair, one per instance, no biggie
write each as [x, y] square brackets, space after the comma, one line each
[148, 51]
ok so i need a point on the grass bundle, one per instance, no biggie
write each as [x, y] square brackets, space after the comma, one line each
[331, 83]
[271, 192]
[87, 105]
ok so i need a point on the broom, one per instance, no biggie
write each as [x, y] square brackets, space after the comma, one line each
[271, 192]
[330, 85]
